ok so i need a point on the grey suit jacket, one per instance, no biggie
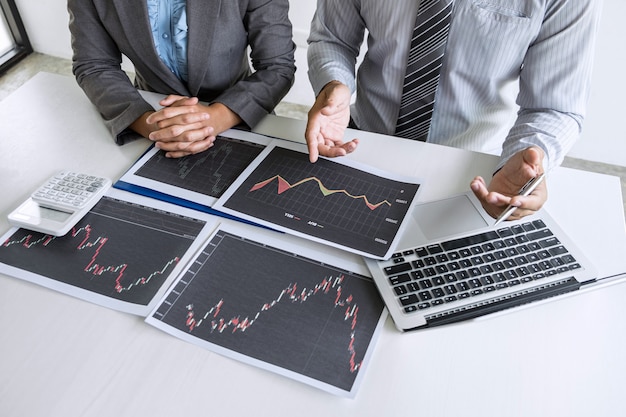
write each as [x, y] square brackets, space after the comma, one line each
[220, 32]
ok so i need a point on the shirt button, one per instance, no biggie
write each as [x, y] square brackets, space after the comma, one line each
[165, 36]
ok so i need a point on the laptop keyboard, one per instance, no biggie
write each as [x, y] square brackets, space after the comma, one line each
[487, 262]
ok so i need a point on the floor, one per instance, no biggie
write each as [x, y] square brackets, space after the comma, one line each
[37, 62]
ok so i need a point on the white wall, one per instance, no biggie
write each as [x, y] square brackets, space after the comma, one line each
[46, 25]
[301, 12]
[6, 41]
[603, 139]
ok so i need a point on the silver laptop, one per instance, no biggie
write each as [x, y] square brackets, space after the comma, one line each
[454, 264]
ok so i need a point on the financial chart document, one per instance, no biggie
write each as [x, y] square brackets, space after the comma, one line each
[338, 202]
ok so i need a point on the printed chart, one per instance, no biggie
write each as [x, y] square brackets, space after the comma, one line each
[209, 172]
[331, 201]
[119, 250]
[291, 312]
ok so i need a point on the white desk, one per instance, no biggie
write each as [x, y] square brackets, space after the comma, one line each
[61, 356]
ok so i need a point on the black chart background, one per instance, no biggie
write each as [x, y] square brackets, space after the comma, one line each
[335, 218]
[309, 337]
[146, 240]
[209, 173]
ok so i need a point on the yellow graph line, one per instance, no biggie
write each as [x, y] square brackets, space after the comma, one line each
[284, 185]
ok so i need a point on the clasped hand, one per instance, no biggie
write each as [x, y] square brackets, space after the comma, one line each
[184, 126]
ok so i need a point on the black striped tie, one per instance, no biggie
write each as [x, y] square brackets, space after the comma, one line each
[422, 76]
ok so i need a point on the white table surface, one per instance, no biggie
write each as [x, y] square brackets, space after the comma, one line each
[61, 356]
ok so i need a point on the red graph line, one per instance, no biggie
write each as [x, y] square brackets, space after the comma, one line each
[291, 294]
[93, 267]
[283, 185]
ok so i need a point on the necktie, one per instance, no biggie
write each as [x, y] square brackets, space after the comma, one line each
[424, 63]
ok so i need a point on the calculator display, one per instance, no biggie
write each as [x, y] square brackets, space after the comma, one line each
[35, 210]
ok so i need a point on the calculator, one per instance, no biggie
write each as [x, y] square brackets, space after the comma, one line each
[60, 202]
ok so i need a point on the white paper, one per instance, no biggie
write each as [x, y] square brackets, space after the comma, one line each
[82, 261]
[353, 237]
[250, 319]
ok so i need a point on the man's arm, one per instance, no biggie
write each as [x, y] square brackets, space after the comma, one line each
[555, 81]
[554, 89]
[335, 39]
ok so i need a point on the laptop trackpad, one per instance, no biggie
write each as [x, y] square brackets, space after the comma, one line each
[441, 218]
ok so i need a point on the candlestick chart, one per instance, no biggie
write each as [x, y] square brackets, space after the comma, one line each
[119, 249]
[209, 173]
[278, 307]
[328, 200]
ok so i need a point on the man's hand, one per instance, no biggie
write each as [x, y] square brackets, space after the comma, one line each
[507, 182]
[327, 122]
[184, 127]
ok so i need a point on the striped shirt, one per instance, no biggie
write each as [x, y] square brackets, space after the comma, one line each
[516, 72]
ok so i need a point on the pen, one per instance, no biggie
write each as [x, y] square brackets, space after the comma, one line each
[524, 191]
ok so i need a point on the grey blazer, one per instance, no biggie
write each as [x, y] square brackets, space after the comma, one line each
[220, 32]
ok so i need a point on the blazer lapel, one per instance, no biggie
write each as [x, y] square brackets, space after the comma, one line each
[139, 34]
[201, 15]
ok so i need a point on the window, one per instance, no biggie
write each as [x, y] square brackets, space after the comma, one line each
[14, 43]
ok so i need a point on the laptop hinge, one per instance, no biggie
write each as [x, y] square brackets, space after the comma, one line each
[509, 300]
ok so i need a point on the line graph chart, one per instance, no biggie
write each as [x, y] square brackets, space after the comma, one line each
[119, 249]
[328, 200]
[283, 185]
[209, 172]
[278, 307]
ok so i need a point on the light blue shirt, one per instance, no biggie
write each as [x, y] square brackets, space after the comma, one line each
[516, 72]
[168, 20]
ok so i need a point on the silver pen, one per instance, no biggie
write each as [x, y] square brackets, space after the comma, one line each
[528, 188]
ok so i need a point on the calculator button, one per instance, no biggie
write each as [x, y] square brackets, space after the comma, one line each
[70, 191]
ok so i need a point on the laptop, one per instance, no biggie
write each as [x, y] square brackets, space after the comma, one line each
[454, 264]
